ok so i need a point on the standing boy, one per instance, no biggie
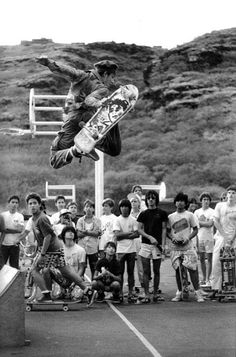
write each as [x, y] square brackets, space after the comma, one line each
[13, 226]
[205, 236]
[152, 227]
[126, 230]
[88, 230]
[183, 227]
[107, 220]
[225, 223]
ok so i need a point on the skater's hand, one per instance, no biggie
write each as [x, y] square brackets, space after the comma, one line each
[42, 60]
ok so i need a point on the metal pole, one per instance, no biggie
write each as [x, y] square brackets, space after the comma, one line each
[99, 184]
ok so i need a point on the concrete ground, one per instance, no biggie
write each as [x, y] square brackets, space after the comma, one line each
[164, 329]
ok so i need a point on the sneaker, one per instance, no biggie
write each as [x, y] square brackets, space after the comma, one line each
[91, 294]
[158, 298]
[46, 297]
[199, 296]
[93, 155]
[177, 297]
[131, 299]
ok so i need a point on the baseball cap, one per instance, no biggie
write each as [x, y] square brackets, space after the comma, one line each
[131, 196]
[64, 211]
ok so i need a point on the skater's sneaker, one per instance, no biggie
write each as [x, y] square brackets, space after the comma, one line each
[92, 154]
[91, 295]
[177, 297]
[199, 296]
[46, 297]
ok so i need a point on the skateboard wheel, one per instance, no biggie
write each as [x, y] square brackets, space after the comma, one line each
[65, 308]
[28, 308]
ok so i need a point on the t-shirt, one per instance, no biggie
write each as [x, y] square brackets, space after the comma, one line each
[152, 219]
[112, 266]
[107, 230]
[11, 220]
[227, 218]
[74, 256]
[205, 233]
[181, 224]
[55, 218]
[41, 228]
[89, 243]
[125, 225]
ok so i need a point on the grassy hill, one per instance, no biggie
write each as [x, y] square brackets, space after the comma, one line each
[182, 130]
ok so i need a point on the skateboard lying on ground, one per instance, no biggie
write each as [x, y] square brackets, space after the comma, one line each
[64, 304]
[113, 109]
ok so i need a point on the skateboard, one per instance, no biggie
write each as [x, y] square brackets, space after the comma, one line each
[184, 280]
[228, 292]
[64, 304]
[113, 109]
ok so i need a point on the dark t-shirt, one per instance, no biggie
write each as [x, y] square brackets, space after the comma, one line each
[112, 266]
[152, 220]
[41, 228]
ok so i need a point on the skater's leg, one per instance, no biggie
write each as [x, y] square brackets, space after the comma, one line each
[70, 274]
[111, 143]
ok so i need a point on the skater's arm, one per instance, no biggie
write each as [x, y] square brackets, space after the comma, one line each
[97, 97]
[61, 69]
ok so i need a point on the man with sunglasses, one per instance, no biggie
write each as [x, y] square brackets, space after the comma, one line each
[152, 227]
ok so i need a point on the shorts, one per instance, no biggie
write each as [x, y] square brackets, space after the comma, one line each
[205, 246]
[149, 251]
[53, 259]
[190, 258]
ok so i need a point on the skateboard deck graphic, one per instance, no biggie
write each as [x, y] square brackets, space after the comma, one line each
[109, 114]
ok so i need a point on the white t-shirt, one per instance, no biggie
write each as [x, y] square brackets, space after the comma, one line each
[181, 224]
[74, 256]
[107, 235]
[55, 218]
[59, 227]
[11, 221]
[205, 233]
[125, 225]
[227, 218]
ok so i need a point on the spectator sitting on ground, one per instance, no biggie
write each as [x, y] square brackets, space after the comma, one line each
[107, 220]
[107, 277]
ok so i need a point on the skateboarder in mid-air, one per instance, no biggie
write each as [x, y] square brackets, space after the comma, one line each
[86, 94]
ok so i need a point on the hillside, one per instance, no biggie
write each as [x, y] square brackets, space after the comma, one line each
[182, 130]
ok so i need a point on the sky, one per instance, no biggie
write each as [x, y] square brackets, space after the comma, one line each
[165, 23]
